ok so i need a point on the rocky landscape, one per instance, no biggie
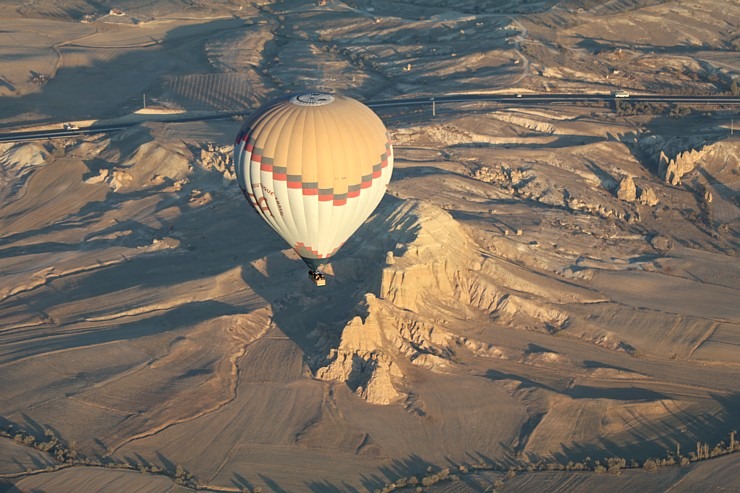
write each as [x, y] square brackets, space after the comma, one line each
[545, 300]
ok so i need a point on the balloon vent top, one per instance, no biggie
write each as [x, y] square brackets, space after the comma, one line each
[312, 99]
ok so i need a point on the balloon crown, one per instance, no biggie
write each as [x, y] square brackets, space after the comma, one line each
[312, 99]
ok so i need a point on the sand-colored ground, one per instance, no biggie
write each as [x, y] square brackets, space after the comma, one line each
[717, 477]
[97, 480]
[539, 284]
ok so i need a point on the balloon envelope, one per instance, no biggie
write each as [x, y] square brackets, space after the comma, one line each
[314, 167]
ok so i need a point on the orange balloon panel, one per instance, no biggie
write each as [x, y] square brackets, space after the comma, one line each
[314, 166]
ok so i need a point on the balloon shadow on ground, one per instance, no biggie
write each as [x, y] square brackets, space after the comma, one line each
[313, 317]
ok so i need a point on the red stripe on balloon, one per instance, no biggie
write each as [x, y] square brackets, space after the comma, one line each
[301, 247]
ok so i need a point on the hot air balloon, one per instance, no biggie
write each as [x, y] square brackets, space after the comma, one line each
[314, 166]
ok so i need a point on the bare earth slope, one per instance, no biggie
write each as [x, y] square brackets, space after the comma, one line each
[540, 284]
[716, 476]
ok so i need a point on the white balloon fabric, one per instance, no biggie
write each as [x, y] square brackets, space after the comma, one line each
[314, 166]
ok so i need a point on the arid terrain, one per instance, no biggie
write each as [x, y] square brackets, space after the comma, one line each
[543, 292]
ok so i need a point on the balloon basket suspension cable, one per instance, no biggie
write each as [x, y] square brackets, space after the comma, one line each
[317, 277]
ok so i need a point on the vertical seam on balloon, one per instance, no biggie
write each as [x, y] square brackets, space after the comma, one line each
[276, 119]
[362, 211]
[288, 125]
[311, 207]
[329, 116]
[326, 154]
[300, 216]
[265, 118]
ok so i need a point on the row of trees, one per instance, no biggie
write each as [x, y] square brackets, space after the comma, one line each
[735, 88]
[612, 465]
[625, 108]
[66, 455]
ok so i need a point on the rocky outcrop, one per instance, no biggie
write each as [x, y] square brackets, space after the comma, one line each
[678, 155]
[142, 164]
[503, 176]
[374, 351]
[671, 170]
[441, 268]
[646, 196]
[402, 327]
[364, 361]
[219, 158]
[428, 263]
[434, 270]
[661, 243]
[627, 190]
[595, 209]
[22, 155]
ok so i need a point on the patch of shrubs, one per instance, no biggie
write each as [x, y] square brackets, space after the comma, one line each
[66, 455]
[613, 465]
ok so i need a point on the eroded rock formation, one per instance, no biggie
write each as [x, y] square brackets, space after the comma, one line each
[671, 170]
[436, 270]
[627, 190]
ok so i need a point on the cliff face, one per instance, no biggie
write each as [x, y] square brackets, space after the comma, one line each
[374, 350]
[436, 273]
[671, 170]
[440, 249]
[677, 157]
[364, 362]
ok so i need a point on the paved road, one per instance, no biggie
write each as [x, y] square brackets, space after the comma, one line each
[557, 98]
[113, 127]
[524, 99]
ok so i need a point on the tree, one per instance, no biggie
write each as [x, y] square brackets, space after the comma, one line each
[650, 465]
[734, 88]
[183, 477]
